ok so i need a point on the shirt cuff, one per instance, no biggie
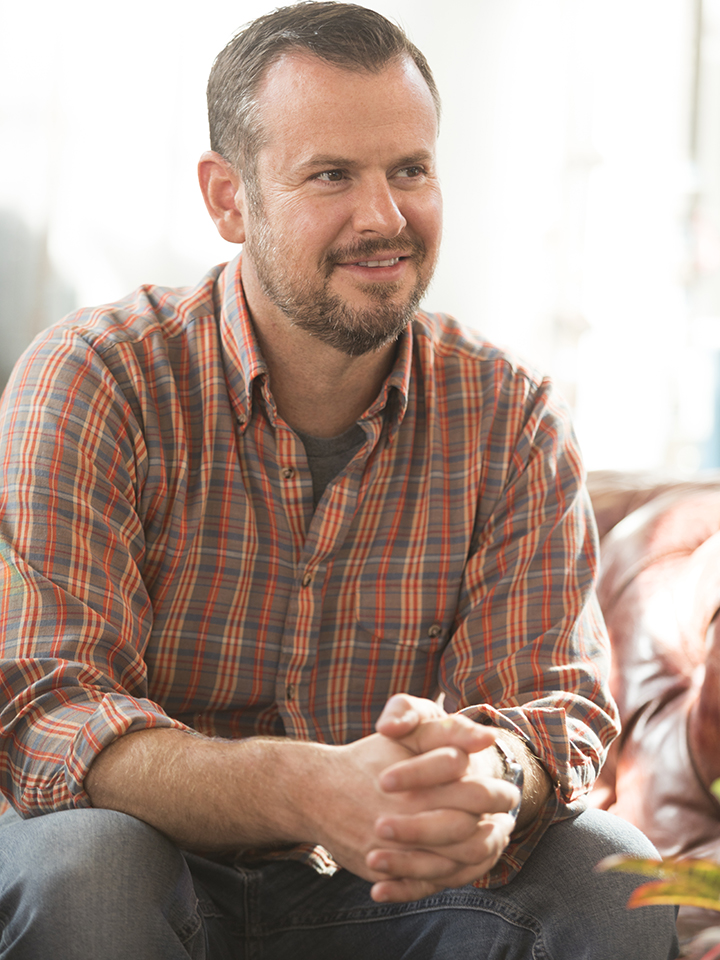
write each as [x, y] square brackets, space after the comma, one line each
[544, 729]
[113, 717]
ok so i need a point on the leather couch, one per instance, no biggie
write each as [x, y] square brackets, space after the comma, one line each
[660, 592]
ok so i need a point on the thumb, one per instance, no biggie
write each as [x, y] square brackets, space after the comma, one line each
[402, 715]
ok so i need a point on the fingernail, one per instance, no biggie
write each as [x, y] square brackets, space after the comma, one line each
[382, 866]
[386, 832]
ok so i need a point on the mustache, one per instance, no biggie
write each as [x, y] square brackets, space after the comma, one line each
[365, 250]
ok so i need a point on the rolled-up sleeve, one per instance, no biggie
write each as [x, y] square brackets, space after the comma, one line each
[75, 615]
[530, 651]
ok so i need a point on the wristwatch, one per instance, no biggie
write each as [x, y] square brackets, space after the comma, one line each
[513, 772]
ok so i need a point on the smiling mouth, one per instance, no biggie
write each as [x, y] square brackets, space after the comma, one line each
[378, 263]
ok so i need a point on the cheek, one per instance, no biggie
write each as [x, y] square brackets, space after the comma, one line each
[429, 227]
[312, 235]
[424, 216]
[312, 221]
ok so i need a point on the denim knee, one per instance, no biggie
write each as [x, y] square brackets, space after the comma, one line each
[584, 912]
[94, 883]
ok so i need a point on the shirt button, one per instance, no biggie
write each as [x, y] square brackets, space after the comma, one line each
[435, 630]
[290, 691]
[307, 579]
[288, 473]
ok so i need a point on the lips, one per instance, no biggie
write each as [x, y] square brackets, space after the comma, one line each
[375, 260]
[376, 254]
[380, 266]
[378, 263]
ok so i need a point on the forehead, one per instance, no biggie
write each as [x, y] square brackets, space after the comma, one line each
[305, 101]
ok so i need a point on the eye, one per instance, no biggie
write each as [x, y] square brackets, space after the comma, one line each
[330, 176]
[411, 172]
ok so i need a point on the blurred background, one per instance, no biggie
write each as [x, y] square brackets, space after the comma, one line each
[580, 161]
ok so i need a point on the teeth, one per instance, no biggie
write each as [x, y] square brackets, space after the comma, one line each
[379, 263]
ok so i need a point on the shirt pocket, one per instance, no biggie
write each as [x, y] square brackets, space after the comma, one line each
[402, 628]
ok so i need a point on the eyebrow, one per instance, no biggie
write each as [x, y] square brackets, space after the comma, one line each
[323, 160]
[326, 161]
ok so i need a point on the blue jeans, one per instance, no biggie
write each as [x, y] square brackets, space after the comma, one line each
[99, 885]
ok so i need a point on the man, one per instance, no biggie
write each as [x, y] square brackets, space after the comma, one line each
[252, 532]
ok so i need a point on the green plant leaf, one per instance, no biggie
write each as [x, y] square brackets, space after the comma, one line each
[690, 882]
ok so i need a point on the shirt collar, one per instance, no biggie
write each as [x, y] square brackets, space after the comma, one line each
[395, 390]
[245, 363]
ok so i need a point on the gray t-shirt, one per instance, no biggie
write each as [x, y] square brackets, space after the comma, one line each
[327, 456]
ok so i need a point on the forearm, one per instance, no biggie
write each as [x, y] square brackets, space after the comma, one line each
[209, 795]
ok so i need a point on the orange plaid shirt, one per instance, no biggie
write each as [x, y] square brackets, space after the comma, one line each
[162, 565]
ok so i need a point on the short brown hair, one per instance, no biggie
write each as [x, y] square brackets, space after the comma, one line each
[344, 34]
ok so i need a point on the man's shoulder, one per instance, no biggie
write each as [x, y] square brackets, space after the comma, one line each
[443, 339]
[149, 311]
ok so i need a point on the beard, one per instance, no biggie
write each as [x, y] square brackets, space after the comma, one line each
[308, 303]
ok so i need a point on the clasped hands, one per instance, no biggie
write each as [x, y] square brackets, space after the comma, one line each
[419, 806]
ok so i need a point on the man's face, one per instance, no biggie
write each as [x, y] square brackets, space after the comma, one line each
[345, 236]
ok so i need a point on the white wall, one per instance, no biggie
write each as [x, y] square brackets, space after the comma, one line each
[563, 159]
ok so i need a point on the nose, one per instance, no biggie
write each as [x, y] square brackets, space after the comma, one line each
[376, 210]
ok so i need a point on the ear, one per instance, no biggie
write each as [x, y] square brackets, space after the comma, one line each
[224, 195]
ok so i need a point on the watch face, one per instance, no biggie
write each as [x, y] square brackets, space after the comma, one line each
[518, 778]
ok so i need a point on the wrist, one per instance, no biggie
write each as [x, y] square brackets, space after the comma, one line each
[298, 770]
[537, 785]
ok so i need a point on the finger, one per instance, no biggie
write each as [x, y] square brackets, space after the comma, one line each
[402, 714]
[488, 842]
[443, 765]
[411, 864]
[491, 836]
[477, 796]
[431, 828]
[405, 889]
[424, 865]
[451, 730]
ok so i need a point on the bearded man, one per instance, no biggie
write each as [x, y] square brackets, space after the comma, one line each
[256, 533]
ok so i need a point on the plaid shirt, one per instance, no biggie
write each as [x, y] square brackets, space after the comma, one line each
[162, 565]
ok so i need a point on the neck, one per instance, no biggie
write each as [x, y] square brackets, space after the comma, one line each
[317, 389]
